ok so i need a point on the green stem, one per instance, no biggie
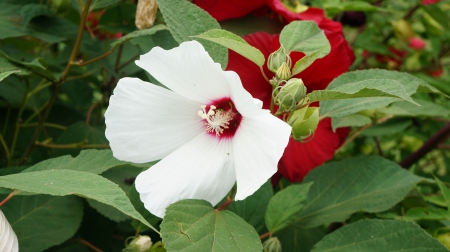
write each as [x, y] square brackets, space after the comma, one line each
[2, 141]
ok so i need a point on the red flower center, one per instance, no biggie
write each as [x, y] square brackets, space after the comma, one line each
[221, 118]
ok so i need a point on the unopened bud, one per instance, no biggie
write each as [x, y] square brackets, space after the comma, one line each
[291, 93]
[272, 245]
[277, 58]
[403, 30]
[304, 122]
[284, 72]
[141, 243]
[145, 13]
[8, 239]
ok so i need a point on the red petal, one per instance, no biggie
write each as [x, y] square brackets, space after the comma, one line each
[314, 14]
[226, 9]
[299, 158]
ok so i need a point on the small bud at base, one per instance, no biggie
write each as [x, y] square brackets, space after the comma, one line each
[291, 93]
[272, 245]
[304, 122]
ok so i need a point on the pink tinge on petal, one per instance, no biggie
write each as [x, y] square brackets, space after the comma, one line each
[417, 43]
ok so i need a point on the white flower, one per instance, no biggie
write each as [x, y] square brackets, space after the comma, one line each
[207, 129]
[8, 239]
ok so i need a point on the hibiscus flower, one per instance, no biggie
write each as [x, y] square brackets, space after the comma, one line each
[8, 239]
[298, 158]
[207, 129]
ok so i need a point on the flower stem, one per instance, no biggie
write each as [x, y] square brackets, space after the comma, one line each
[429, 145]
[8, 197]
[73, 55]
[265, 235]
[225, 204]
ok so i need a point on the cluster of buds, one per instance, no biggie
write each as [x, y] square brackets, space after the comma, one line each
[289, 94]
[272, 245]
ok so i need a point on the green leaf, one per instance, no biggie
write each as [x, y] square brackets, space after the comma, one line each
[304, 36]
[445, 192]
[421, 213]
[50, 29]
[370, 184]
[185, 19]
[43, 221]
[37, 66]
[102, 4]
[119, 176]
[335, 8]
[379, 235]
[341, 108]
[93, 161]
[307, 60]
[253, 208]
[390, 127]
[235, 43]
[146, 32]
[355, 120]
[80, 133]
[194, 225]
[67, 182]
[3, 75]
[139, 205]
[365, 88]
[285, 206]
[251, 24]
[426, 108]
[299, 240]
[31, 11]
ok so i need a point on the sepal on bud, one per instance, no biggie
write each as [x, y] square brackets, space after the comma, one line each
[304, 122]
[291, 93]
[277, 58]
[283, 72]
[141, 243]
[272, 245]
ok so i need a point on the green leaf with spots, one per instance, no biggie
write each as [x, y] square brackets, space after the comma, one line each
[194, 225]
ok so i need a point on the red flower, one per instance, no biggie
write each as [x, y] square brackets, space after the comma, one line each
[222, 10]
[314, 14]
[92, 23]
[299, 158]
[416, 43]
[427, 2]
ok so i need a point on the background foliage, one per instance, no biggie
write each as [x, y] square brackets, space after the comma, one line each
[387, 187]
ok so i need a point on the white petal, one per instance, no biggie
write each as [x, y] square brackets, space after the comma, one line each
[8, 239]
[245, 103]
[145, 122]
[188, 70]
[258, 145]
[200, 169]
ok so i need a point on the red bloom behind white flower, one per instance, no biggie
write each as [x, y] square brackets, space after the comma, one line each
[298, 158]
[207, 129]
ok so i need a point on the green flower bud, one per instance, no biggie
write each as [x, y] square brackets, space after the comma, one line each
[291, 93]
[277, 58]
[141, 243]
[284, 72]
[272, 245]
[304, 122]
[403, 30]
